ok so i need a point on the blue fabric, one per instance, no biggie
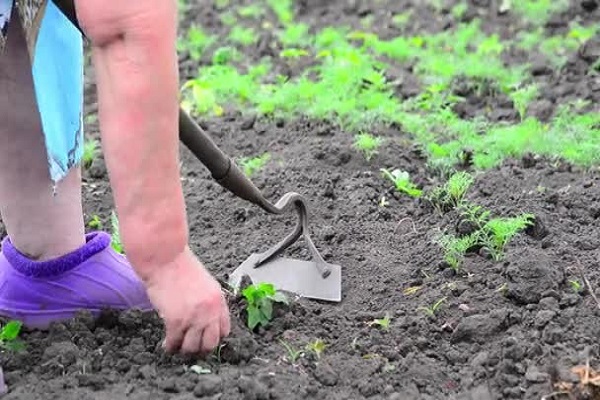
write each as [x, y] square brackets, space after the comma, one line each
[58, 64]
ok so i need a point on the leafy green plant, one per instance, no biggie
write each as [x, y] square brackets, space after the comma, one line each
[91, 149]
[402, 182]
[243, 36]
[522, 97]
[368, 144]
[433, 309]
[475, 214]
[455, 248]
[195, 42]
[383, 323]
[9, 336]
[498, 232]
[224, 55]
[116, 243]
[251, 165]
[452, 193]
[293, 354]
[576, 286]
[95, 222]
[317, 347]
[260, 298]
[251, 11]
[293, 53]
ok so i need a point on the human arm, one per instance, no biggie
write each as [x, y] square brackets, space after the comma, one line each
[133, 50]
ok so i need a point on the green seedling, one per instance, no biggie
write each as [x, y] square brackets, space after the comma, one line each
[91, 149]
[576, 286]
[116, 243]
[401, 181]
[367, 144]
[498, 232]
[95, 223]
[243, 36]
[260, 298]
[383, 323]
[224, 55]
[9, 336]
[433, 309]
[455, 248]
[251, 11]
[292, 354]
[195, 42]
[251, 165]
[317, 347]
[475, 214]
[293, 53]
[522, 97]
[452, 193]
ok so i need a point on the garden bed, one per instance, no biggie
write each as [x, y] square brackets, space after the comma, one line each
[512, 327]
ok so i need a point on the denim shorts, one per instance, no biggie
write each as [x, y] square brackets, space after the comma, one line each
[57, 62]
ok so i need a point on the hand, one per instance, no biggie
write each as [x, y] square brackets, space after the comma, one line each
[191, 304]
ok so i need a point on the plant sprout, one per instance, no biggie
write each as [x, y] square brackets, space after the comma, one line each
[402, 183]
[260, 298]
[251, 165]
[367, 144]
[90, 151]
[9, 336]
[95, 222]
[116, 243]
[317, 347]
[499, 231]
[432, 310]
[293, 354]
[383, 323]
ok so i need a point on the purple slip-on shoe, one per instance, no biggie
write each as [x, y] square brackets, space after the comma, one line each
[92, 278]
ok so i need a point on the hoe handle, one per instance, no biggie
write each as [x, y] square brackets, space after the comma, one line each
[222, 168]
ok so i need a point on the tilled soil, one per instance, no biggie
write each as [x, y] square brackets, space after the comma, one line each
[506, 330]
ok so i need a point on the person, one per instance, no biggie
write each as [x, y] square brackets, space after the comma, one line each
[50, 268]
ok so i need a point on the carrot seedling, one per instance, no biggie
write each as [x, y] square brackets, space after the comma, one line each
[90, 151]
[260, 298]
[499, 231]
[432, 310]
[367, 144]
[383, 323]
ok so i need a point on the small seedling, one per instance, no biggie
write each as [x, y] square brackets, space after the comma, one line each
[411, 290]
[522, 97]
[9, 336]
[260, 298]
[197, 369]
[251, 165]
[432, 310]
[383, 323]
[499, 231]
[475, 214]
[95, 222]
[455, 248]
[292, 354]
[116, 243]
[367, 144]
[90, 151]
[576, 286]
[402, 183]
[317, 347]
[452, 193]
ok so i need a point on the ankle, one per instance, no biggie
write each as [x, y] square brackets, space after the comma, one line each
[48, 250]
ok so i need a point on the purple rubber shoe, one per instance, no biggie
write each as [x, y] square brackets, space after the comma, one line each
[92, 278]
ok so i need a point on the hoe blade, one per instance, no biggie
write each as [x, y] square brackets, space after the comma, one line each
[295, 276]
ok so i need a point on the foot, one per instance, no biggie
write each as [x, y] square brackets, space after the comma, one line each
[93, 278]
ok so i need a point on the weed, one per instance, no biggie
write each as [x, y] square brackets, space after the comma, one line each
[116, 243]
[401, 181]
[497, 232]
[292, 354]
[317, 347]
[475, 214]
[368, 144]
[9, 336]
[283, 9]
[251, 165]
[433, 309]
[95, 223]
[383, 323]
[576, 286]
[224, 55]
[90, 151]
[293, 53]
[260, 298]
[536, 12]
[251, 11]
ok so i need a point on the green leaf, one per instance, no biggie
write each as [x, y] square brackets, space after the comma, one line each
[200, 370]
[11, 331]
[254, 317]
[267, 309]
[279, 297]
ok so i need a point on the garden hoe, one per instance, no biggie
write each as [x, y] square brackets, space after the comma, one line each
[315, 279]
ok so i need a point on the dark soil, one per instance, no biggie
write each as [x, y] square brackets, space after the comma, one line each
[507, 330]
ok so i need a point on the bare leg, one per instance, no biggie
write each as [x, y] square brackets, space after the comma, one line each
[42, 224]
